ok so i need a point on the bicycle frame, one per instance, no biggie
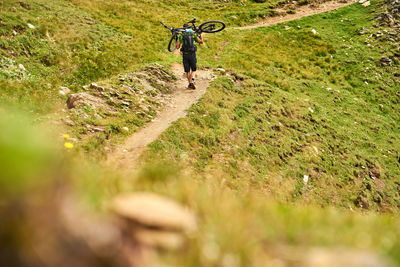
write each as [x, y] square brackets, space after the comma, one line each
[193, 27]
[207, 27]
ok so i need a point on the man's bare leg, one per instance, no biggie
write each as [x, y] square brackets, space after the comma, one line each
[189, 77]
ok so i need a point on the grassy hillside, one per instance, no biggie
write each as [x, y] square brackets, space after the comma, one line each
[317, 105]
[295, 145]
[293, 103]
[45, 45]
[77, 42]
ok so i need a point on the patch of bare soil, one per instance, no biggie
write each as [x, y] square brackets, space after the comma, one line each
[302, 11]
[217, 56]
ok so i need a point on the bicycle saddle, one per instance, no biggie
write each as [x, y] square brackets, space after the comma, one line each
[192, 21]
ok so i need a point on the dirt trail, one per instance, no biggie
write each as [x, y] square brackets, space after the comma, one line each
[126, 154]
[302, 11]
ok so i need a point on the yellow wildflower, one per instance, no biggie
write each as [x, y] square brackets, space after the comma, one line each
[68, 145]
[66, 136]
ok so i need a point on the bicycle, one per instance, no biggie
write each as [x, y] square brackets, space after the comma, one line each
[211, 26]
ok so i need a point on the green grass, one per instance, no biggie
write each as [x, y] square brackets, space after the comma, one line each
[301, 104]
[317, 105]
[303, 109]
[77, 42]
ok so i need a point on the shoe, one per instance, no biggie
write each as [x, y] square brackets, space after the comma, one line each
[191, 86]
[192, 80]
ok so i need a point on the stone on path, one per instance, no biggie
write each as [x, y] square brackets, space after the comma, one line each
[368, 3]
[385, 61]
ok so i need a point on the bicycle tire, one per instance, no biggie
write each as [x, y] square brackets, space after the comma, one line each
[210, 26]
[172, 43]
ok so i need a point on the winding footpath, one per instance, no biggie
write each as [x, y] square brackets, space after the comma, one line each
[126, 155]
[302, 11]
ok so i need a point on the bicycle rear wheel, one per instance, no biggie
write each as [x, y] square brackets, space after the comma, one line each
[212, 26]
[172, 43]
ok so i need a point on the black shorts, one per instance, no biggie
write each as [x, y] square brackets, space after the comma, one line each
[189, 62]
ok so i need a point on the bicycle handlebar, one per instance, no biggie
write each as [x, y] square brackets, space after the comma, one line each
[165, 26]
[172, 29]
[192, 21]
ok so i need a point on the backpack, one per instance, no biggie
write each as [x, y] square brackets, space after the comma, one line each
[188, 45]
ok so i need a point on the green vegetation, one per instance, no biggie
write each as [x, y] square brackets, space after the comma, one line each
[74, 43]
[319, 105]
[294, 103]
[45, 45]
[296, 143]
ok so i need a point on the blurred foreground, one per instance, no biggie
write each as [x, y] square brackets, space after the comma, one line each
[55, 212]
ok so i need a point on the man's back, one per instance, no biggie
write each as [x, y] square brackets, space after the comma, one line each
[187, 40]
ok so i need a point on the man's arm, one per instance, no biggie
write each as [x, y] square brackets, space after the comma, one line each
[179, 42]
[200, 41]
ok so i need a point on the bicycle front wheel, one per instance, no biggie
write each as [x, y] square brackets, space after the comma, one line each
[212, 26]
[172, 43]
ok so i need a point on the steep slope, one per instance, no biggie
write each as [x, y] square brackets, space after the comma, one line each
[314, 120]
[291, 156]
[73, 43]
[45, 45]
[306, 119]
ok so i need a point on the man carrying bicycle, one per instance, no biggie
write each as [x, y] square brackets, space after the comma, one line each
[188, 48]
